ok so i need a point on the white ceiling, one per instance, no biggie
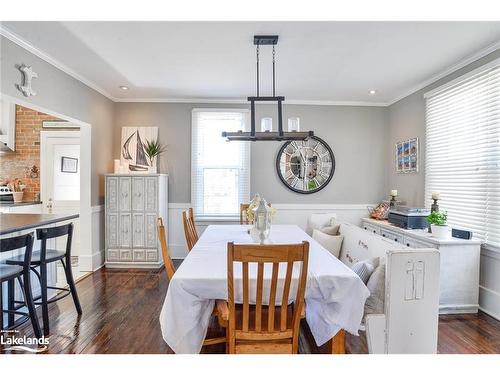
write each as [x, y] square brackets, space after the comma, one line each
[316, 61]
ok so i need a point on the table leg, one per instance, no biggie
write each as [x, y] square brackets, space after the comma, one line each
[337, 343]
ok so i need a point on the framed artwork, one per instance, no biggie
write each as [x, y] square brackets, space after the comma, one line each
[69, 165]
[133, 154]
[407, 156]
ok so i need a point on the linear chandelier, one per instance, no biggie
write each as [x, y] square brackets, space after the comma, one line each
[266, 133]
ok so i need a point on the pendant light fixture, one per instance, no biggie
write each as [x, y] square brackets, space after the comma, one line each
[266, 133]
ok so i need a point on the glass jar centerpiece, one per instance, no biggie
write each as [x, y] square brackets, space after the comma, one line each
[260, 214]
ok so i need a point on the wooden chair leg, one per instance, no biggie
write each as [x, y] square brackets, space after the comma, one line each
[28, 299]
[45, 307]
[10, 302]
[337, 343]
[71, 282]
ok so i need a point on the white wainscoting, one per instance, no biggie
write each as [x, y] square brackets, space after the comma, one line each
[489, 282]
[92, 260]
[286, 214]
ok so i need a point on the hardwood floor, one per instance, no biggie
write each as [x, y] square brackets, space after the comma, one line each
[121, 310]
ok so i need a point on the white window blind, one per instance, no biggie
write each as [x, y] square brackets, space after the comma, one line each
[220, 170]
[463, 152]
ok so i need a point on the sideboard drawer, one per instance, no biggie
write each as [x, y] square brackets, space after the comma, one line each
[392, 235]
[371, 228]
[416, 244]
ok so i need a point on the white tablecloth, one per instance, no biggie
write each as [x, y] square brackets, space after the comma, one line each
[335, 295]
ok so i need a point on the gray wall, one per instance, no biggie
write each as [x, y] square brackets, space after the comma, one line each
[406, 119]
[357, 136]
[61, 93]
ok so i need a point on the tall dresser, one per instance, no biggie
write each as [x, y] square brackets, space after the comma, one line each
[133, 203]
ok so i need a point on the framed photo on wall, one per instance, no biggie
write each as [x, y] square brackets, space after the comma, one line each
[407, 156]
[69, 165]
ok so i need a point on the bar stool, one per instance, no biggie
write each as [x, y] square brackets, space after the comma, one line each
[10, 273]
[45, 256]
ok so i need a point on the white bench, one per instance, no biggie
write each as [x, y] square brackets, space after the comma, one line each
[409, 322]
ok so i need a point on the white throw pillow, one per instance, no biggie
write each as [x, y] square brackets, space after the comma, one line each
[318, 221]
[365, 268]
[376, 285]
[330, 243]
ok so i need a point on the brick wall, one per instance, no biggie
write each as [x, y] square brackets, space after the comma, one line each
[27, 154]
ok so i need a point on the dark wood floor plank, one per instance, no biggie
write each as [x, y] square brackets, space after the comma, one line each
[121, 311]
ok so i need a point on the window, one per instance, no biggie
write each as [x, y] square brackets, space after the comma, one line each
[220, 170]
[463, 151]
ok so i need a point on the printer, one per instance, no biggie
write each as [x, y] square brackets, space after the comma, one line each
[409, 217]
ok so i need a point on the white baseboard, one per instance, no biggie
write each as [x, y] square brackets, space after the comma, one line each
[489, 302]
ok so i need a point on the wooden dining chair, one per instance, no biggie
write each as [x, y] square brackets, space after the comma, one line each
[219, 311]
[265, 328]
[189, 228]
[243, 213]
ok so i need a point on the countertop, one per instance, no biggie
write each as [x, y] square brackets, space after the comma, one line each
[422, 234]
[17, 204]
[10, 223]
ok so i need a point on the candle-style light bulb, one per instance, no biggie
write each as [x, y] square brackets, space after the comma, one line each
[266, 124]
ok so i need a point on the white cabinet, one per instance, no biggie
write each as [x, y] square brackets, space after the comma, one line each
[459, 264]
[133, 203]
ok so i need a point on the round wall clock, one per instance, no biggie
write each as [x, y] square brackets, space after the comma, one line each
[305, 166]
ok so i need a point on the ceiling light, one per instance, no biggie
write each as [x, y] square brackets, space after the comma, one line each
[124, 87]
[372, 92]
[266, 133]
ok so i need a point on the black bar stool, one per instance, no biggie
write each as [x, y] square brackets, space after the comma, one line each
[45, 256]
[10, 273]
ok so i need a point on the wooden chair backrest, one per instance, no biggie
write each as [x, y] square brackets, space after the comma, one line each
[243, 213]
[189, 228]
[167, 260]
[259, 330]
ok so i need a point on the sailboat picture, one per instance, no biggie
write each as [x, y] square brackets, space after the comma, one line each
[133, 142]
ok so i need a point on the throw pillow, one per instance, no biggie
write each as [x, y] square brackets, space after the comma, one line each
[317, 221]
[330, 243]
[332, 230]
[365, 268]
[376, 285]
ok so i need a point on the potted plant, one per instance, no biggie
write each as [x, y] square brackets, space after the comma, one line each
[17, 187]
[437, 221]
[153, 149]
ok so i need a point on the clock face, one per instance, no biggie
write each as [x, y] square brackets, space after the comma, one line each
[305, 166]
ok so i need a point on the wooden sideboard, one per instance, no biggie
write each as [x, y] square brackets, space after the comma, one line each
[459, 263]
[133, 203]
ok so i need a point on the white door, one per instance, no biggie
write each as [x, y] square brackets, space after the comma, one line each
[60, 180]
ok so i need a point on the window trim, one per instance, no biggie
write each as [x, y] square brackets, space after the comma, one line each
[462, 78]
[246, 112]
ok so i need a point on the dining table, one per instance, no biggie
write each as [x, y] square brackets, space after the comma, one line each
[334, 297]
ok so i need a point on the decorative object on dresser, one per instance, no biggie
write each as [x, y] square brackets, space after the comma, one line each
[380, 212]
[437, 220]
[407, 156]
[459, 260]
[435, 206]
[409, 217]
[394, 194]
[133, 205]
[133, 149]
[307, 166]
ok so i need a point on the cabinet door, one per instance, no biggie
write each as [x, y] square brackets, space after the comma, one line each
[138, 228]
[151, 194]
[112, 230]
[151, 230]
[138, 194]
[125, 230]
[112, 194]
[125, 197]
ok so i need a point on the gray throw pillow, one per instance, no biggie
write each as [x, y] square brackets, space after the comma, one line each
[365, 268]
[332, 230]
[376, 285]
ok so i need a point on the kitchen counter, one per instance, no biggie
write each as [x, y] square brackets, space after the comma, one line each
[17, 204]
[10, 223]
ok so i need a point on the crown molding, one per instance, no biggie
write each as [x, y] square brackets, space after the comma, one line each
[13, 37]
[462, 63]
